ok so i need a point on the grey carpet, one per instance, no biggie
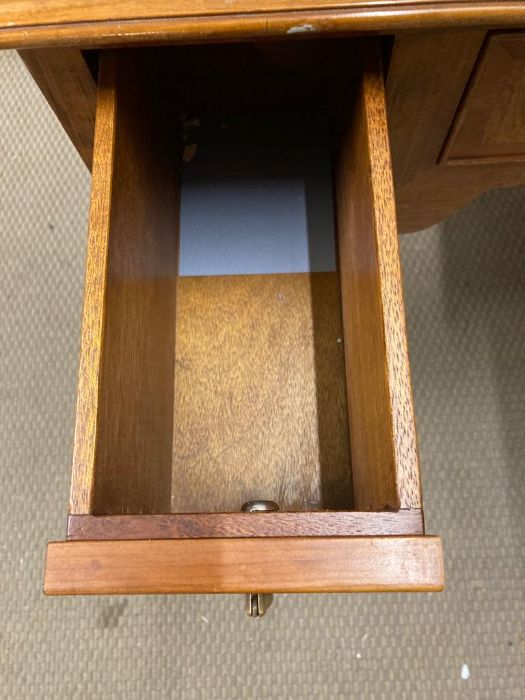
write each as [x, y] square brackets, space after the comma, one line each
[465, 295]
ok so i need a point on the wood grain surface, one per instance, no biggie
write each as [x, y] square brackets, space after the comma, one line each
[123, 437]
[272, 565]
[67, 84]
[490, 124]
[26, 24]
[67, 11]
[256, 408]
[206, 525]
[14, 12]
[427, 78]
[83, 471]
[260, 396]
[382, 430]
[437, 193]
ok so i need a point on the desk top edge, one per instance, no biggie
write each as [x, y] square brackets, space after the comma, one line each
[25, 24]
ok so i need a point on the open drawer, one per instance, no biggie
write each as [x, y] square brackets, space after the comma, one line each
[144, 517]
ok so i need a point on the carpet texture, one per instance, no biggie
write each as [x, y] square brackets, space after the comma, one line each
[465, 297]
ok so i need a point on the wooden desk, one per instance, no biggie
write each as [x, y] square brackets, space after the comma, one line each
[426, 100]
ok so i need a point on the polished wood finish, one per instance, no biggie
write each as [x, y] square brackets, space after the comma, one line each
[64, 11]
[427, 78]
[67, 84]
[207, 525]
[123, 436]
[26, 24]
[490, 124]
[258, 361]
[438, 192]
[272, 565]
[260, 394]
[382, 430]
[257, 409]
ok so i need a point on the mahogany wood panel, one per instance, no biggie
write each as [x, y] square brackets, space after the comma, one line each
[426, 80]
[427, 77]
[67, 84]
[260, 394]
[272, 565]
[490, 124]
[382, 430]
[438, 192]
[26, 24]
[123, 436]
[206, 525]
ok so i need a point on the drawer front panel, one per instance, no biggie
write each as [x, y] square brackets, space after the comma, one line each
[490, 124]
[294, 565]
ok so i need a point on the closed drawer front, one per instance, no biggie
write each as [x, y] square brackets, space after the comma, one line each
[298, 386]
[489, 126]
